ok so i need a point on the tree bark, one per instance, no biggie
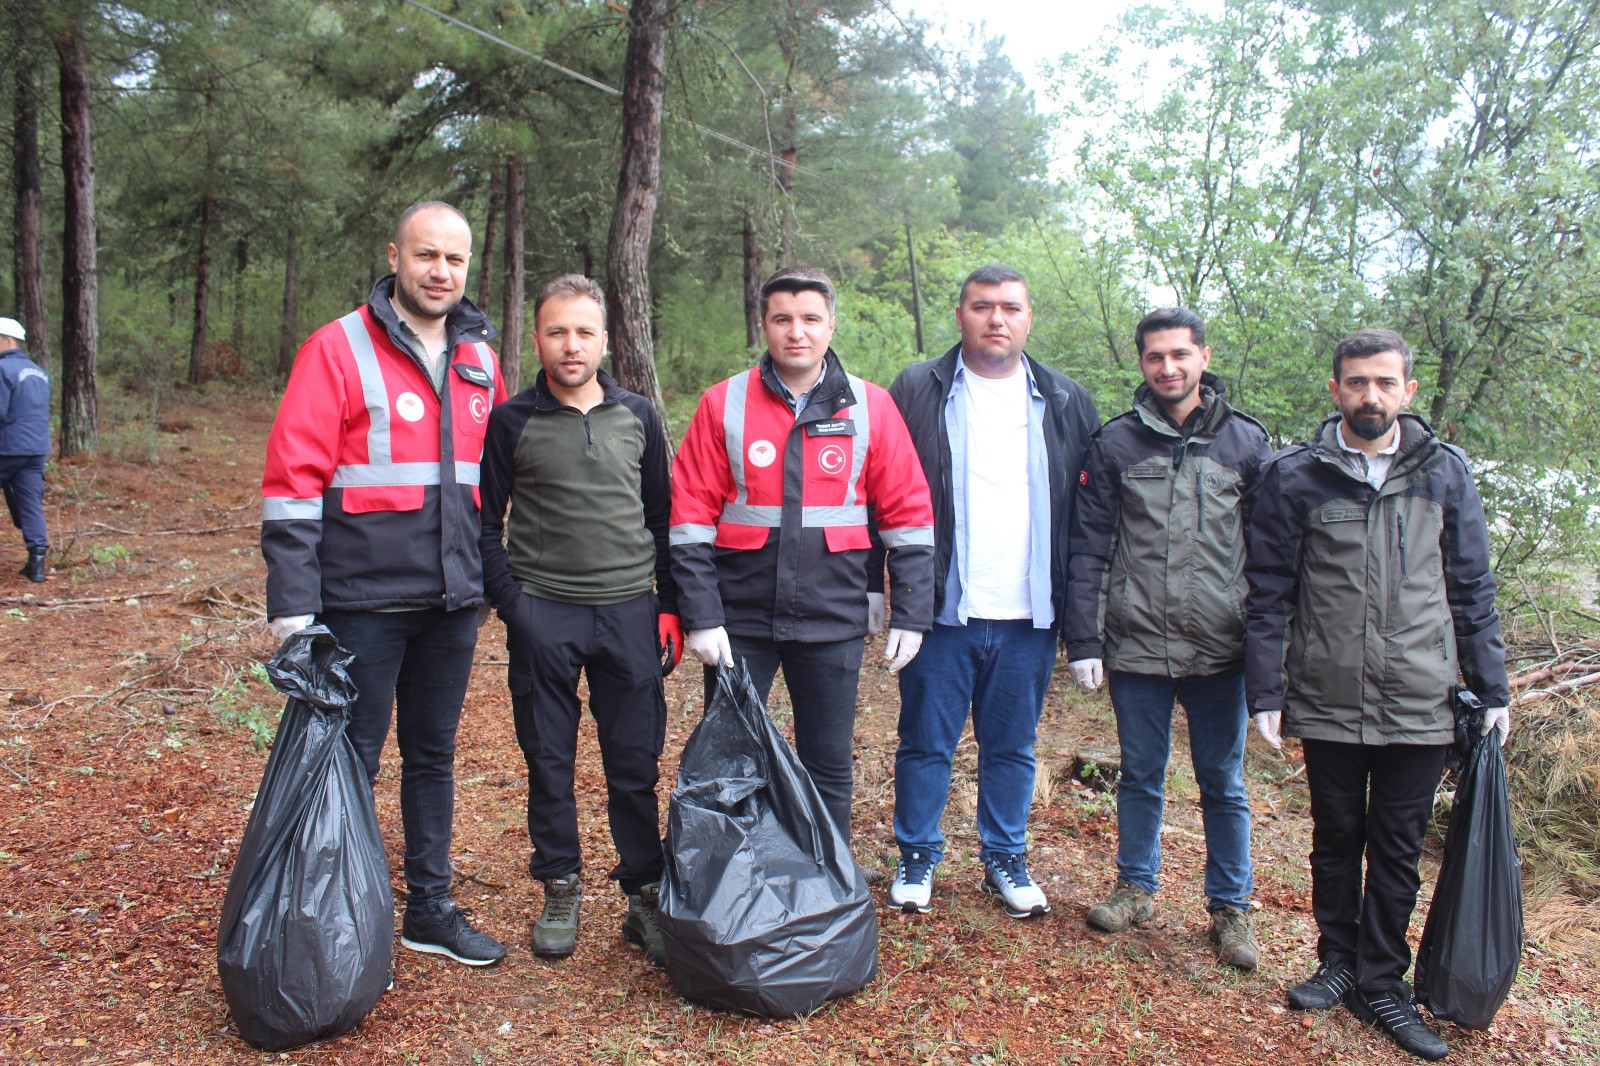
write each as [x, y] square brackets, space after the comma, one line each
[80, 278]
[202, 293]
[752, 281]
[486, 271]
[633, 220]
[916, 288]
[288, 337]
[27, 185]
[241, 262]
[515, 280]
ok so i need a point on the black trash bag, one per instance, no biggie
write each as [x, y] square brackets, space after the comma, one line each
[1468, 711]
[1472, 942]
[306, 942]
[763, 909]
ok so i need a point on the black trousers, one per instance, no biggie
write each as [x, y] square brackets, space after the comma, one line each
[1373, 801]
[614, 645]
[822, 679]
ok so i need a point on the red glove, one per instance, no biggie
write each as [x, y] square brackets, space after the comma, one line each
[669, 640]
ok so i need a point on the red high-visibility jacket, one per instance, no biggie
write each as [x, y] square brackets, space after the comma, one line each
[371, 481]
[771, 511]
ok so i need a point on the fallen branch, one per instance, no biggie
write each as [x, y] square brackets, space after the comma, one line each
[1554, 690]
[174, 532]
[1546, 673]
[118, 598]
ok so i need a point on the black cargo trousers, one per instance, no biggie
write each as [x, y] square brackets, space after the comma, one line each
[548, 643]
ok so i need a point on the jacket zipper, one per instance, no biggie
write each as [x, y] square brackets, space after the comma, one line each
[586, 432]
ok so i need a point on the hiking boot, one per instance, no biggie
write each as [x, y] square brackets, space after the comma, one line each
[555, 934]
[1127, 905]
[912, 890]
[33, 569]
[1006, 876]
[1396, 1015]
[442, 929]
[1235, 939]
[640, 928]
[1334, 977]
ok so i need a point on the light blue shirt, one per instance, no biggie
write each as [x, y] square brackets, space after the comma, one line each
[955, 611]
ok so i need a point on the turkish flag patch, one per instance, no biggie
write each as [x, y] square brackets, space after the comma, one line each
[1083, 477]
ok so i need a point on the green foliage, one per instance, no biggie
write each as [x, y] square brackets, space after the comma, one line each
[249, 702]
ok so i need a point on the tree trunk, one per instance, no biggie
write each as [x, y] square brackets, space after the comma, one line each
[486, 271]
[633, 220]
[288, 337]
[752, 281]
[80, 278]
[27, 185]
[202, 279]
[241, 261]
[916, 288]
[515, 281]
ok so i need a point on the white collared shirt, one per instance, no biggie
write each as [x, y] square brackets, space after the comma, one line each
[1377, 466]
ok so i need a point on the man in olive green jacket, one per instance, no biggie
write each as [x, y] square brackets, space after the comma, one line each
[1371, 595]
[1155, 595]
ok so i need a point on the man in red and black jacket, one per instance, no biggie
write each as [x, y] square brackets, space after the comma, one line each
[772, 489]
[370, 526]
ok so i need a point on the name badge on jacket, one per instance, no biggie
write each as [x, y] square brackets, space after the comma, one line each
[834, 427]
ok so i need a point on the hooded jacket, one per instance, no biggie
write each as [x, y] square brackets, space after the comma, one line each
[1366, 605]
[1156, 581]
[24, 405]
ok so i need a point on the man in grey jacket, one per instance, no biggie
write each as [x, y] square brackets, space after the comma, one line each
[1155, 593]
[1370, 591]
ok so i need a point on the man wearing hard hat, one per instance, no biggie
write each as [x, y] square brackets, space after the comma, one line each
[24, 442]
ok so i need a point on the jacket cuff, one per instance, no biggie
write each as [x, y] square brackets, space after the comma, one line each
[1078, 650]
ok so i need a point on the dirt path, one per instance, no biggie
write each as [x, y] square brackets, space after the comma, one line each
[131, 725]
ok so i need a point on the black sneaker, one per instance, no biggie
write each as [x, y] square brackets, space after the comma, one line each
[640, 927]
[1334, 977]
[1397, 1016]
[442, 929]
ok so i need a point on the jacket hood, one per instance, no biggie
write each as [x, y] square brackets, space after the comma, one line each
[1417, 442]
[1214, 408]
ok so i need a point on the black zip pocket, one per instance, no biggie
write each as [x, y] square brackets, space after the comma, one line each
[1400, 522]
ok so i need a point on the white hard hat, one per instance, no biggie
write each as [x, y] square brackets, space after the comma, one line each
[10, 327]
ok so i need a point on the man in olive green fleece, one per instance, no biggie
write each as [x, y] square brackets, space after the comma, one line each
[1155, 593]
[583, 584]
[1371, 596]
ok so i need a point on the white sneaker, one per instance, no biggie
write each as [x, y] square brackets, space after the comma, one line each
[912, 890]
[1006, 876]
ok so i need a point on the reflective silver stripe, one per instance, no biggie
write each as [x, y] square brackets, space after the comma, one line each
[373, 392]
[384, 475]
[288, 508]
[815, 517]
[466, 473]
[861, 442]
[691, 534]
[749, 514]
[901, 538]
[733, 436]
[486, 359]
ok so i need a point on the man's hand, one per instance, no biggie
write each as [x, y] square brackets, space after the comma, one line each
[1497, 718]
[1270, 725]
[877, 612]
[901, 647]
[669, 641]
[1088, 673]
[709, 646]
[286, 626]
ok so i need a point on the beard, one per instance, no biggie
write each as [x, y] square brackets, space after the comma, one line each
[415, 308]
[1371, 425]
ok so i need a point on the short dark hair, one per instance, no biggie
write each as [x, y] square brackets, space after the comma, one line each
[1169, 318]
[797, 279]
[567, 287]
[1365, 342]
[425, 205]
[993, 274]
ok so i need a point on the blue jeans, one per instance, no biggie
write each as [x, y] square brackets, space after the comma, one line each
[22, 477]
[412, 666]
[997, 670]
[1217, 724]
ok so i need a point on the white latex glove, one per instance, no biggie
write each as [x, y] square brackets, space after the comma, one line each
[709, 646]
[1497, 718]
[1270, 725]
[901, 647]
[288, 625]
[877, 612]
[1088, 673]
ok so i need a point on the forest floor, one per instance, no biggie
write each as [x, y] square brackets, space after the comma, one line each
[133, 728]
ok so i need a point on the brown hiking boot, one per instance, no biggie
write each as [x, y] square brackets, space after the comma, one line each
[1127, 905]
[1235, 939]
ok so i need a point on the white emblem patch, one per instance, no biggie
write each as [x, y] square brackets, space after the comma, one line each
[762, 453]
[479, 407]
[832, 459]
[408, 405]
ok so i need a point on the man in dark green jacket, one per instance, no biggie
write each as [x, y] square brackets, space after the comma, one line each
[1155, 594]
[1371, 594]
